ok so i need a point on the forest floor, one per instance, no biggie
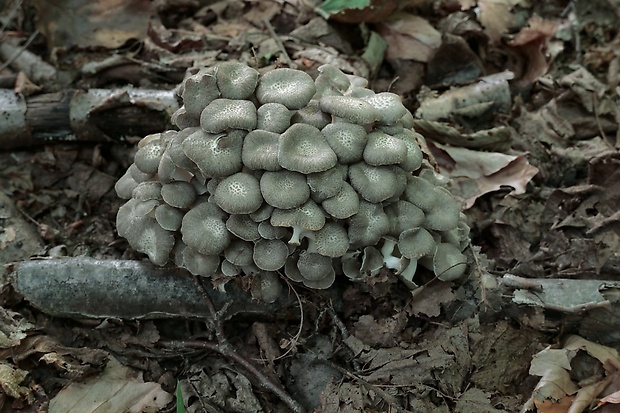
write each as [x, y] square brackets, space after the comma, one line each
[532, 151]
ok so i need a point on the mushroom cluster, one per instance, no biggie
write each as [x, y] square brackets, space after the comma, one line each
[280, 172]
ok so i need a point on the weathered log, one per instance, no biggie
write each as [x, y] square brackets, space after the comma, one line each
[76, 115]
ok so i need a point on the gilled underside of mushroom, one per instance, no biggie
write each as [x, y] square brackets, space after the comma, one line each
[282, 173]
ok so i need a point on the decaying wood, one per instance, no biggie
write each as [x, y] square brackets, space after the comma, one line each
[85, 287]
[76, 115]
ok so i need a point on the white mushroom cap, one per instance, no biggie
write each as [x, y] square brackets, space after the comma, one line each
[215, 155]
[273, 117]
[270, 255]
[292, 88]
[344, 204]
[204, 229]
[448, 262]
[236, 80]
[374, 183]
[223, 114]
[355, 110]
[303, 148]
[284, 189]
[346, 140]
[238, 194]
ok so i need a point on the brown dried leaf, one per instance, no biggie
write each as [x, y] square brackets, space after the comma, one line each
[409, 37]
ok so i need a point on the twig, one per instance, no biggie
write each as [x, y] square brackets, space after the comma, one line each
[276, 38]
[226, 349]
[20, 51]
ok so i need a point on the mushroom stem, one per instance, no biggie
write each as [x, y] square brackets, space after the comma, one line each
[387, 250]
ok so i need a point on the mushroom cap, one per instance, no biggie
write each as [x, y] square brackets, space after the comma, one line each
[168, 217]
[222, 114]
[147, 157]
[344, 204]
[236, 80]
[308, 216]
[328, 183]
[416, 243]
[445, 214]
[228, 269]
[239, 252]
[146, 191]
[372, 261]
[260, 150]
[178, 194]
[374, 183]
[266, 286]
[403, 215]
[368, 226]
[388, 105]
[133, 212]
[215, 155]
[311, 114]
[198, 91]
[184, 120]
[175, 149]
[263, 213]
[273, 117]
[292, 88]
[420, 192]
[331, 240]
[242, 226]
[238, 194]
[383, 149]
[316, 270]
[414, 158]
[346, 140]
[270, 255]
[197, 263]
[303, 148]
[204, 229]
[448, 262]
[355, 110]
[284, 189]
[150, 238]
[126, 184]
[331, 81]
[268, 231]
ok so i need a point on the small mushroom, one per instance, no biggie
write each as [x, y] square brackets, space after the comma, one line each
[197, 263]
[328, 183]
[273, 117]
[414, 158]
[420, 192]
[242, 226]
[368, 226]
[355, 110]
[445, 214]
[383, 149]
[292, 88]
[344, 204]
[448, 262]
[303, 148]
[239, 252]
[203, 229]
[331, 240]
[168, 217]
[260, 150]
[268, 231]
[311, 114]
[223, 114]
[388, 105]
[198, 91]
[331, 81]
[178, 194]
[374, 183]
[308, 217]
[145, 191]
[215, 155]
[147, 158]
[236, 80]
[416, 243]
[316, 270]
[270, 255]
[238, 194]
[403, 215]
[284, 189]
[266, 286]
[346, 140]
